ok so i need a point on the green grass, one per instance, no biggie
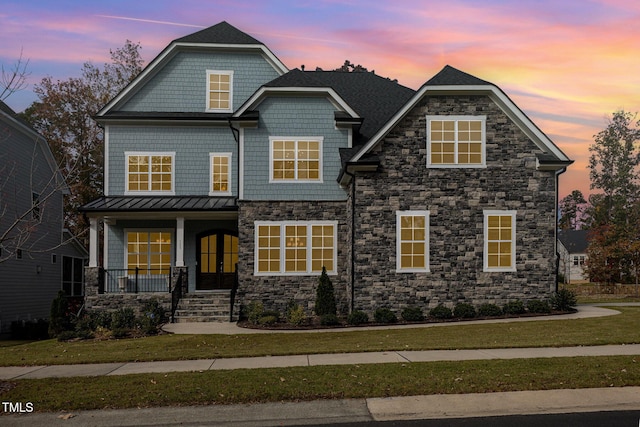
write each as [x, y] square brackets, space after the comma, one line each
[618, 329]
[324, 382]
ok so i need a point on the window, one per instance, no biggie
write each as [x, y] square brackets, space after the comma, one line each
[578, 260]
[499, 240]
[149, 251]
[456, 141]
[299, 247]
[412, 241]
[220, 173]
[150, 173]
[296, 159]
[219, 91]
[35, 206]
[72, 275]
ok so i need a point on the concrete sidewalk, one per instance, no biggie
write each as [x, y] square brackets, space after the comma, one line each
[99, 369]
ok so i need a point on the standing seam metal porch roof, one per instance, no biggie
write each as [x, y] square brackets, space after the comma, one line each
[160, 203]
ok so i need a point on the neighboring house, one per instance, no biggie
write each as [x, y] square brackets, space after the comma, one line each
[37, 256]
[225, 167]
[572, 247]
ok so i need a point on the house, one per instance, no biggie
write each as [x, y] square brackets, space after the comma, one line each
[38, 257]
[572, 247]
[229, 177]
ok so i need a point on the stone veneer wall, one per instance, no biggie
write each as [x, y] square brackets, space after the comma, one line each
[95, 301]
[275, 291]
[456, 199]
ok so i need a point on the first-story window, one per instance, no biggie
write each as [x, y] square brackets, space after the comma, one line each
[72, 275]
[499, 240]
[220, 173]
[295, 247]
[149, 252]
[412, 241]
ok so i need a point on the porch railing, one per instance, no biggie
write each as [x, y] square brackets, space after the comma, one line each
[137, 280]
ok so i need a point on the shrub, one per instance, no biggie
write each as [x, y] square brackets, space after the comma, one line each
[329, 320]
[296, 315]
[123, 319]
[441, 312]
[537, 306]
[255, 309]
[384, 315]
[357, 317]
[563, 300]
[271, 313]
[100, 319]
[412, 314]
[489, 310]
[59, 319]
[325, 298]
[514, 307]
[84, 327]
[268, 320]
[464, 310]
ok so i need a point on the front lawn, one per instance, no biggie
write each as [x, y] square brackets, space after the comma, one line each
[324, 382]
[618, 329]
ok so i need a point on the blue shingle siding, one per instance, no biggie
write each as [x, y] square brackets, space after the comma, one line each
[293, 117]
[181, 86]
[191, 145]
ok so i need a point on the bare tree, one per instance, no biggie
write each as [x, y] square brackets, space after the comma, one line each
[15, 78]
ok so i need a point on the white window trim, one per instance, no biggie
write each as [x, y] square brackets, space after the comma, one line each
[485, 262]
[229, 172]
[282, 225]
[220, 110]
[399, 269]
[320, 141]
[148, 230]
[171, 154]
[456, 165]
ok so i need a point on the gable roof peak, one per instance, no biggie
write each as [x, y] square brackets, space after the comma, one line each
[450, 76]
[220, 33]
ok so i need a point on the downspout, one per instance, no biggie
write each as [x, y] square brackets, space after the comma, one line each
[236, 136]
[353, 235]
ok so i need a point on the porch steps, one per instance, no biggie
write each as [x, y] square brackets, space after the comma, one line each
[204, 307]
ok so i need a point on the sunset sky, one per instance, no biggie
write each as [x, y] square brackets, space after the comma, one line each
[567, 64]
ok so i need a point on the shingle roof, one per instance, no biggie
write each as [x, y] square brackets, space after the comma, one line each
[222, 33]
[374, 98]
[160, 203]
[450, 76]
[575, 241]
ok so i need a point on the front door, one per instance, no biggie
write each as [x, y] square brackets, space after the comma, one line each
[217, 259]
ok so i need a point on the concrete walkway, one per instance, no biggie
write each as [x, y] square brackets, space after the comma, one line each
[334, 411]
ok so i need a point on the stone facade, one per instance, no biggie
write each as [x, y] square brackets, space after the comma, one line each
[275, 291]
[96, 301]
[455, 198]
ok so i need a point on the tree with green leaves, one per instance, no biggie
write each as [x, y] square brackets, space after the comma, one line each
[571, 211]
[613, 215]
[64, 116]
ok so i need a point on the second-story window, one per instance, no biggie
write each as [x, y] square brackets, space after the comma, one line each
[456, 141]
[219, 91]
[220, 174]
[296, 159]
[150, 172]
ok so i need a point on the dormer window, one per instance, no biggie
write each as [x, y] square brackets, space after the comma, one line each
[456, 141]
[219, 91]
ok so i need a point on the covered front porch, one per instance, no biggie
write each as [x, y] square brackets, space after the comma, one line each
[162, 245]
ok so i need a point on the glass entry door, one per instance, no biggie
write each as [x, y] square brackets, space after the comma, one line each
[217, 259]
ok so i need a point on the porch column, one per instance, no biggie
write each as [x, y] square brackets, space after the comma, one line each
[93, 242]
[180, 242]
